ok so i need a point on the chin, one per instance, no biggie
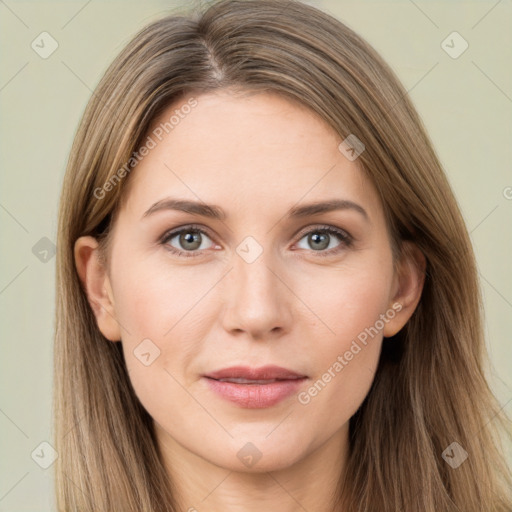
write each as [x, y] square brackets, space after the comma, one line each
[258, 453]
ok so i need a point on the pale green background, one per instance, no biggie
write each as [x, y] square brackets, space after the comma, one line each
[465, 103]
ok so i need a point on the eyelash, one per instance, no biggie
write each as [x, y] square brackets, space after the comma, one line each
[345, 239]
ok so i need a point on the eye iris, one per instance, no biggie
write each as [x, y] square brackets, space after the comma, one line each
[190, 237]
[321, 239]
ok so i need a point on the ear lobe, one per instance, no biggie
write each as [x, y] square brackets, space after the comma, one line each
[410, 278]
[96, 283]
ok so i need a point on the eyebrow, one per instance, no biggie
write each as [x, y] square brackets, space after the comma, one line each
[216, 212]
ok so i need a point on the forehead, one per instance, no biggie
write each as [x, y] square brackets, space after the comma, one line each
[244, 151]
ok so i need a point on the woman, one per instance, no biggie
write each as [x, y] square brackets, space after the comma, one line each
[267, 296]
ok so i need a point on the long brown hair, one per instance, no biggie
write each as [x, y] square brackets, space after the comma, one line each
[430, 389]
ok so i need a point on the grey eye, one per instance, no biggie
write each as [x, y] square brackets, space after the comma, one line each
[320, 240]
[188, 240]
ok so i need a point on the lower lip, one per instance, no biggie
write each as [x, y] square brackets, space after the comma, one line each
[255, 396]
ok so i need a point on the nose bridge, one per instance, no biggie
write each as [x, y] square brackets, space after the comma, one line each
[257, 301]
[254, 279]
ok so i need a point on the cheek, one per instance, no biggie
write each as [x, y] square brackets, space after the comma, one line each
[352, 307]
[347, 301]
[154, 300]
[165, 313]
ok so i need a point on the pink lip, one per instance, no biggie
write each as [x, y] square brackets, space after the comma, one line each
[255, 396]
[262, 373]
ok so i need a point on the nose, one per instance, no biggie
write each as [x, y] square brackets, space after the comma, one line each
[258, 299]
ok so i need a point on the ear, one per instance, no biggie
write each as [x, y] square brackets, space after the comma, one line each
[97, 286]
[407, 287]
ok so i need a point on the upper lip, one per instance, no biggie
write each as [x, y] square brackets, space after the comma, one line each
[261, 373]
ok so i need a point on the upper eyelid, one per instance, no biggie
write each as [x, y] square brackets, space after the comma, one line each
[323, 227]
[192, 227]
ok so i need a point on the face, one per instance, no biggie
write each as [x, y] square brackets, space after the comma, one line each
[259, 279]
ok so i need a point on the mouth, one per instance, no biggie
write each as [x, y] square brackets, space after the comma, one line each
[251, 381]
[264, 373]
[254, 388]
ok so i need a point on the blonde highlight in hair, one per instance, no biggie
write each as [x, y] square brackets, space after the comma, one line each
[430, 388]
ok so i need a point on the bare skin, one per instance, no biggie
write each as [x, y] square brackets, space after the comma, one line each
[299, 304]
